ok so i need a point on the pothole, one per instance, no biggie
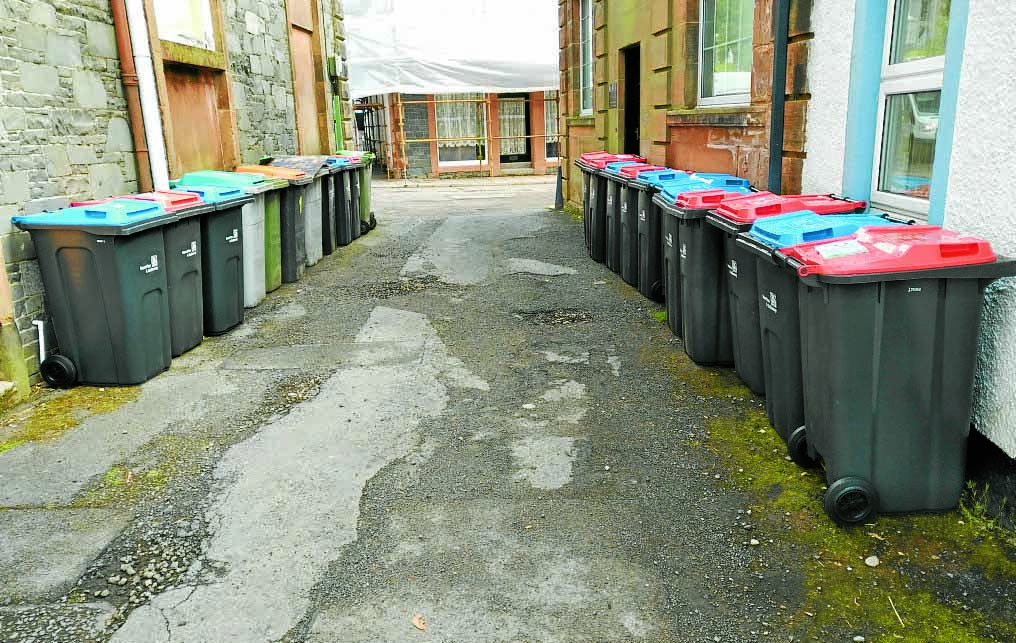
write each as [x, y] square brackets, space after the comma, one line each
[555, 316]
[406, 286]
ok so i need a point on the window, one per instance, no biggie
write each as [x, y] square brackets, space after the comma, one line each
[586, 56]
[725, 52]
[910, 93]
[461, 129]
[187, 22]
[550, 107]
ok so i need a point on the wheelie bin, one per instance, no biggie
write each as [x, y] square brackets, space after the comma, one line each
[733, 217]
[318, 214]
[650, 246]
[363, 161]
[184, 269]
[693, 257]
[261, 250]
[103, 268]
[614, 181]
[222, 257]
[629, 227]
[354, 202]
[779, 321]
[599, 198]
[889, 340]
[292, 217]
[344, 223]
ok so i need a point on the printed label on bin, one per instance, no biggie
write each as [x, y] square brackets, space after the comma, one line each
[151, 266]
[191, 251]
[670, 241]
[770, 301]
[642, 215]
[610, 199]
[684, 251]
[732, 268]
[843, 248]
[233, 238]
[624, 208]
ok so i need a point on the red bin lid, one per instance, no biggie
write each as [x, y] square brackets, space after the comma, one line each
[171, 200]
[874, 250]
[704, 199]
[632, 171]
[750, 207]
[599, 160]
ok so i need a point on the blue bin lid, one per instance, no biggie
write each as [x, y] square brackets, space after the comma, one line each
[695, 182]
[114, 217]
[724, 181]
[614, 168]
[335, 160]
[785, 230]
[251, 183]
[222, 197]
[658, 177]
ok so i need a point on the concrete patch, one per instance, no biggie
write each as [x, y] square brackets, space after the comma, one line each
[545, 463]
[566, 390]
[615, 365]
[534, 267]
[557, 358]
[43, 551]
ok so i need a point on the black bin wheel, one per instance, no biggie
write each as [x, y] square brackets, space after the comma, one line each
[851, 501]
[656, 291]
[373, 221]
[58, 371]
[797, 449]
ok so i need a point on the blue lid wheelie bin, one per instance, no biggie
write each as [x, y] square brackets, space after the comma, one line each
[692, 255]
[596, 224]
[779, 323]
[612, 173]
[222, 256]
[629, 219]
[343, 223]
[737, 215]
[647, 183]
[103, 267]
[889, 339]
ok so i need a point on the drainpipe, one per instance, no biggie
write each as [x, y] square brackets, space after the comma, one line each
[781, 24]
[151, 115]
[131, 94]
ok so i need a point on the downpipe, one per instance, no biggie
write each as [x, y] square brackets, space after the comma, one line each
[151, 114]
[781, 33]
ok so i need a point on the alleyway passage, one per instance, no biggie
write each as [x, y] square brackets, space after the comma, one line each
[459, 428]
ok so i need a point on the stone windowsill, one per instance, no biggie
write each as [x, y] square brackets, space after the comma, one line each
[187, 55]
[733, 116]
[581, 121]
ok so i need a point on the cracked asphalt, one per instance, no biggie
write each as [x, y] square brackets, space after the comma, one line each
[455, 429]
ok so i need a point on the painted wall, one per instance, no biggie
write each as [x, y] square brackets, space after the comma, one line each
[984, 145]
[829, 66]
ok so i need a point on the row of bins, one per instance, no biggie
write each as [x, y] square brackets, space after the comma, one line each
[859, 328]
[134, 281]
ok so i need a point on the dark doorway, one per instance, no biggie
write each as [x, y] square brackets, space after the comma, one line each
[513, 123]
[632, 94]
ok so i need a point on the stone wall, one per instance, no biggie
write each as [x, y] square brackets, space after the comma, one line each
[64, 133]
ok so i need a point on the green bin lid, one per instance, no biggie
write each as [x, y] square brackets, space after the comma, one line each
[365, 155]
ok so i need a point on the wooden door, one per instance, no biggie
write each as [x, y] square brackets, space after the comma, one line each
[308, 78]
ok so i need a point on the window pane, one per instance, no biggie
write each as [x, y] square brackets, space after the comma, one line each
[188, 22]
[586, 55]
[908, 143]
[461, 117]
[919, 29]
[550, 107]
[726, 47]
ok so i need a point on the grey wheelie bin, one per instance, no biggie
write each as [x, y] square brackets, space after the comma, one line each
[362, 161]
[318, 213]
[292, 219]
[651, 280]
[779, 320]
[103, 267]
[629, 227]
[614, 182]
[889, 339]
[343, 220]
[732, 217]
[354, 194]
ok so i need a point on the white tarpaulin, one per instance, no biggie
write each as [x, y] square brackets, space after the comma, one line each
[446, 46]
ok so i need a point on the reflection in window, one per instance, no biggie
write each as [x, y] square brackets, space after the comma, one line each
[908, 143]
[188, 22]
[919, 30]
[462, 119]
[550, 123]
[726, 49]
[586, 56]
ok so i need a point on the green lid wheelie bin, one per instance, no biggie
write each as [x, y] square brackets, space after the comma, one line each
[364, 171]
[317, 209]
[103, 268]
[292, 218]
[261, 250]
[890, 320]
[184, 270]
[222, 257]
[732, 217]
[779, 320]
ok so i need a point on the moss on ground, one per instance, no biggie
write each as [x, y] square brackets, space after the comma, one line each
[50, 417]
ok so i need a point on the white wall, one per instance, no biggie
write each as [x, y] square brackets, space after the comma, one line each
[829, 80]
[984, 147]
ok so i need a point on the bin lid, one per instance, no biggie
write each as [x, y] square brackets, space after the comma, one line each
[314, 166]
[891, 250]
[656, 178]
[363, 155]
[633, 171]
[179, 203]
[599, 160]
[250, 183]
[223, 198]
[786, 230]
[113, 217]
[295, 177]
[697, 182]
[749, 208]
[614, 167]
[705, 199]
[723, 180]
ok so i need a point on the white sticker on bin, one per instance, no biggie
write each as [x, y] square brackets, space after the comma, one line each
[151, 266]
[233, 238]
[841, 249]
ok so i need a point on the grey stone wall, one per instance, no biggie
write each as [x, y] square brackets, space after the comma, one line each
[262, 77]
[64, 133]
[417, 126]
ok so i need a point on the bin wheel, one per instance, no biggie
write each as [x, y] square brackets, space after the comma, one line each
[58, 371]
[851, 501]
[797, 449]
[656, 291]
[364, 228]
[373, 221]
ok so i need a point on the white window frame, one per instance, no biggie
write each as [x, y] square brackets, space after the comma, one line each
[726, 99]
[557, 113]
[926, 74]
[586, 57]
